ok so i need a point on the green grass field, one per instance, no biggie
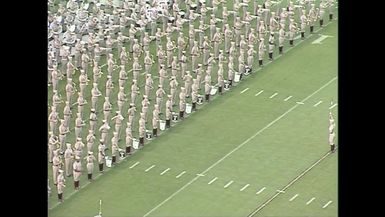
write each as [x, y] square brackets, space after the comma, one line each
[245, 142]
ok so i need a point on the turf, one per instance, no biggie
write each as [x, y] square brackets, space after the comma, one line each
[271, 159]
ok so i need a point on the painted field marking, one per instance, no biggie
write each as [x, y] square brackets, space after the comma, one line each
[244, 187]
[181, 174]
[165, 171]
[327, 204]
[295, 196]
[134, 165]
[213, 180]
[287, 98]
[288, 185]
[239, 146]
[244, 90]
[228, 184]
[311, 200]
[260, 191]
[200, 174]
[315, 105]
[321, 38]
[148, 169]
[300, 103]
[333, 106]
[259, 93]
[280, 191]
[273, 95]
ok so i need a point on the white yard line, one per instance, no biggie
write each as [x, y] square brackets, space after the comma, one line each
[315, 105]
[244, 187]
[311, 200]
[134, 165]
[259, 93]
[287, 98]
[327, 204]
[165, 171]
[228, 184]
[260, 191]
[333, 106]
[181, 174]
[267, 126]
[213, 180]
[244, 90]
[272, 96]
[148, 169]
[295, 196]
[236, 148]
[300, 103]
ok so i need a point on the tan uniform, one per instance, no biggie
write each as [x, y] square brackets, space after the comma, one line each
[90, 163]
[104, 132]
[60, 185]
[93, 121]
[90, 141]
[68, 155]
[107, 107]
[56, 165]
[101, 156]
[77, 166]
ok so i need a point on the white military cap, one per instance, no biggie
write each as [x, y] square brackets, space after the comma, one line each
[61, 171]
[79, 139]
[68, 145]
[77, 157]
[90, 152]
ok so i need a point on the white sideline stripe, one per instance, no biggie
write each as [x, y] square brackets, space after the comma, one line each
[315, 105]
[165, 171]
[259, 93]
[134, 165]
[181, 174]
[288, 185]
[281, 191]
[333, 106]
[288, 98]
[148, 169]
[244, 187]
[327, 204]
[300, 103]
[311, 200]
[295, 196]
[244, 90]
[200, 174]
[273, 95]
[236, 148]
[103, 65]
[228, 184]
[213, 180]
[260, 191]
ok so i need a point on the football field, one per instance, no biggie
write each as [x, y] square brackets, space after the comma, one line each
[261, 149]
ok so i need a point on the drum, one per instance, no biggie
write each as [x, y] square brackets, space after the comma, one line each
[122, 154]
[162, 125]
[200, 99]
[135, 143]
[108, 162]
[227, 86]
[213, 90]
[148, 135]
[175, 117]
[188, 108]
[237, 77]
